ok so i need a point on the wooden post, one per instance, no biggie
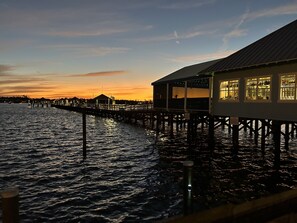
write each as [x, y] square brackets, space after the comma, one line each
[84, 136]
[276, 126]
[10, 205]
[163, 121]
[210, 132]
[177, 122]
[263, 136]
[223, 120]
[152, 120]
[287, 136]
[158, 123]
[229, 126]
[235, 133]
[189, 129]
[256, 136]
[244, 125]
[188, 165]
[292, 130]
[251, 127]
[234, 121]
[171, 124]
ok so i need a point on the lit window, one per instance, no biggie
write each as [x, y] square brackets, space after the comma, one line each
[288, 87]
[229, 90]
[258, 88]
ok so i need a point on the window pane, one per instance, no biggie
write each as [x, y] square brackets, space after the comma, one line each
[264, 88]
[224, 90]
[258, 88]
[287, 87]
[251, 89]
[229, 90]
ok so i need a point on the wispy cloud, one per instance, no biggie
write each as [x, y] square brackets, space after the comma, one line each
[85, 50]
[99, 74]
[182, 5]
[23, 90]
[202, 57]
[236, 31]
[288, 9]
[5, 69]
[101, 32]
[175, 36]
[21, 80]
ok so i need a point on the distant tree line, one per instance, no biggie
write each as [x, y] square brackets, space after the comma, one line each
[15, 99]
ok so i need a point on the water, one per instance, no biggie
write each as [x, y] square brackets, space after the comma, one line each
[129, 175]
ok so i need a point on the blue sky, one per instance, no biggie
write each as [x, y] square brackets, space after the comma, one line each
[65, 48]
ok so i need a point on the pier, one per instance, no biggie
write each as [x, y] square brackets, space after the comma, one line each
[174, 121]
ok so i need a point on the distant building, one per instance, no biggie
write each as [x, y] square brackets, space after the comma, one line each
[103, 99]
[258, 81]
[184, 89]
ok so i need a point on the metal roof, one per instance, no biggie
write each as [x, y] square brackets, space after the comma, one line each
[186, 72]
[279, 46]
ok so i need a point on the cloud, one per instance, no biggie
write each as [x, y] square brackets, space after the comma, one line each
[85, 50]
[202, 57]
[99, 74]
[20, 80]
[5, 70]
[100, 32]
[26, 89]
[235, 31]
[182, 5]
[175, 36]
[289, 9]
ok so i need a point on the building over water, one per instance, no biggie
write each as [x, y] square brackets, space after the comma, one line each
[258, 81]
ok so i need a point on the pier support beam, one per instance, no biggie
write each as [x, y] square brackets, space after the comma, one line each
[287, 136]
[263, 136]
[276, 128]
[251, 127]
[256, 136]
[10, 205]
[235, 134]
[211, 143]
[84, 135]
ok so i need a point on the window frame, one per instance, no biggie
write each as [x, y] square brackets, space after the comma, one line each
[257, 100]
[229, 99]
[279, 89]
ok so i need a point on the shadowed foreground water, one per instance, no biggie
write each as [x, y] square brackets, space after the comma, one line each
[129, 175]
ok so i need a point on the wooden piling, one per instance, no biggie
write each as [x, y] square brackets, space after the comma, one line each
[10, 205]
[263, 136]
[84, 135]
[287, 136]
[171, 124]
[292, 130]
[158, 123]
[245, 125]
[235, 134]
[211, 142]
[276, 128]
[229, 126]
[251, 127]
[256, 135]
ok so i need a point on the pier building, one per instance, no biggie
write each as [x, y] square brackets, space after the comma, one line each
[258, 81]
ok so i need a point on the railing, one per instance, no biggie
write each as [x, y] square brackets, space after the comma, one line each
[124, 107]
[192, 103]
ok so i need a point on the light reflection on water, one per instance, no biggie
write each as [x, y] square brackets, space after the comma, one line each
[127, 176]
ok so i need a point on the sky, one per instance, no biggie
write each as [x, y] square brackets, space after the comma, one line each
[83, 48]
